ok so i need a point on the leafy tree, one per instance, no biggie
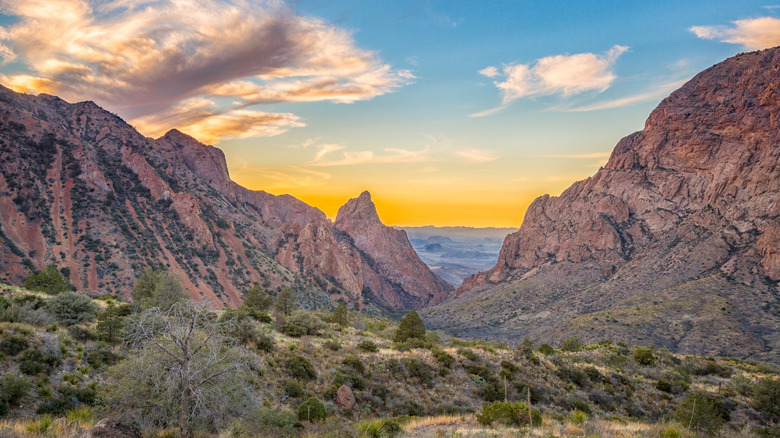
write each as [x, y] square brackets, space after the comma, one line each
[185, 365]
[546, 349]
[49, 280]
[157, 288]
[285, 301]
[256, 301]
[73, 308]
[339, 315]
[411, 327]
[572, 343]
[766, 396]
[111, 324]
[644, 356]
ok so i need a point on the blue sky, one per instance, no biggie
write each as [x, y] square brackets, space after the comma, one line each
[449, 112]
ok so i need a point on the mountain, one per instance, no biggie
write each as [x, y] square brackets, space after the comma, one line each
[455, 253]
[84, 191]
[676, 241]
[394, 272]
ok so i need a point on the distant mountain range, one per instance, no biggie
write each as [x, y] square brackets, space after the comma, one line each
[455, 253]
[84, 191]
[675, 242]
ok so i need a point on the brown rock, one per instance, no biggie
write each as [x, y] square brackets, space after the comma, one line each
[345, 399]
[110, 428]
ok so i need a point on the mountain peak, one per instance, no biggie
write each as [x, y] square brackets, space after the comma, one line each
[360, 208]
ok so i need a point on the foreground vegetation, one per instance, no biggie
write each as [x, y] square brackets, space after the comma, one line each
[174, 368]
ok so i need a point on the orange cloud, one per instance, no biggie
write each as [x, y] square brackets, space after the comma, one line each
[752, 34]
[146, 59]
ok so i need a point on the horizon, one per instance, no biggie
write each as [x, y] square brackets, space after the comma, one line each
[449, 113]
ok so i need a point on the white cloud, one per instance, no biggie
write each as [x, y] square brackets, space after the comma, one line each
[660, 91]
[142, 58]
[751, 34]
[559, 74]
[477, 155]
[325, 156]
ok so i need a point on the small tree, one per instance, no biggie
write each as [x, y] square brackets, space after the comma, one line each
[312, 409]
[285, 301]
[185, 363]
[157, 288]
[72, 308]
[700, 413]
[110, 324]
[256, 300]
[766, 396]
[572, 343]
[644, 356]
[411, 327]
[49, 281]
[339, 315]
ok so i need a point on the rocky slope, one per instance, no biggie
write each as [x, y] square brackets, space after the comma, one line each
[396, 275]
[675, 240]
[84, 191]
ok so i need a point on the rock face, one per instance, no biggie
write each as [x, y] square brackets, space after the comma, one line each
[394, 272]
[82, 190]
[345, 399]
[686, 210]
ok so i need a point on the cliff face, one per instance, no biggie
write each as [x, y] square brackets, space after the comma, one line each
[694, 198]
[387, 254]
[84, 191]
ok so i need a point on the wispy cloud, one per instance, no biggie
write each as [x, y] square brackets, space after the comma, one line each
[145, 58]
[579, 156]
[751, 34]
[329, 155]
[655, 94]
[477, 155]
[561, 74]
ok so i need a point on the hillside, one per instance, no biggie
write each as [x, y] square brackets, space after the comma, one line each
[59, 362]
[674, 242]
[85, 192]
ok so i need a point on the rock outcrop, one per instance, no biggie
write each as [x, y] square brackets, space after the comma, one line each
[82, 190]
[393, 271]
[687, 209]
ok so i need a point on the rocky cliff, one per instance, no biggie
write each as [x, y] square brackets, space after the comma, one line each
[684, 215]
[396, 275]
[82, 190]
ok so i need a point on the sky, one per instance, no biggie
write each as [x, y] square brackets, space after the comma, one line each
[449, 112]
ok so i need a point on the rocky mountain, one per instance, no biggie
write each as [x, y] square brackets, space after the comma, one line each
[676, 241]
[394, 272]
[82, 190]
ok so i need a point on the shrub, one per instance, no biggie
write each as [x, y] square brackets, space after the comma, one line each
[742, 385]
[663, 385]
[310, 324]
[351, 379]
[312, 410]
[509, 414]
[443, 358]
[578, 417]
[766, 396]
[368, 347]
[700, 413]
[419, 370]
[82, 334]
[644, 356]
[292, 330]
[102, 357]
[339, 316]
[572, 343]
[73, 308]
[13, 345]
[411, 327]
[574, 375]
[34, 362]
[332, 345]
[157, 288]
[293, 389]
[546, 349]
[300, 367]
[382, 428]
[275, 423]
[256, 301]
[354, 363]
[583, 406]
[49, 281]
[468, 354]
[11, 390]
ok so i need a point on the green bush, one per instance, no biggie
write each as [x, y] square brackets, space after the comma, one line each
[700, 413]
[766, 396]
[644, 356]
[292, 330]
[293, 389]
[72, 308]
[312, 410]
[275, 423]
[157, 288]
[742, 385]
[351, 379]
[368, 347]
[546, 349]
[339, 316]
[82, 334]
[355, 363]
[34, 362]
[310, 324]
[509, 414]
[468, 354]
[578, 417]
[411, 327]
[382, 428]
[572, 343]
[300, 367]
[419, 370]
[101, 357]
[11, 390]
[332, 345]
[443, 358]
[49, 281]
[663, 385]
[13, 345]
